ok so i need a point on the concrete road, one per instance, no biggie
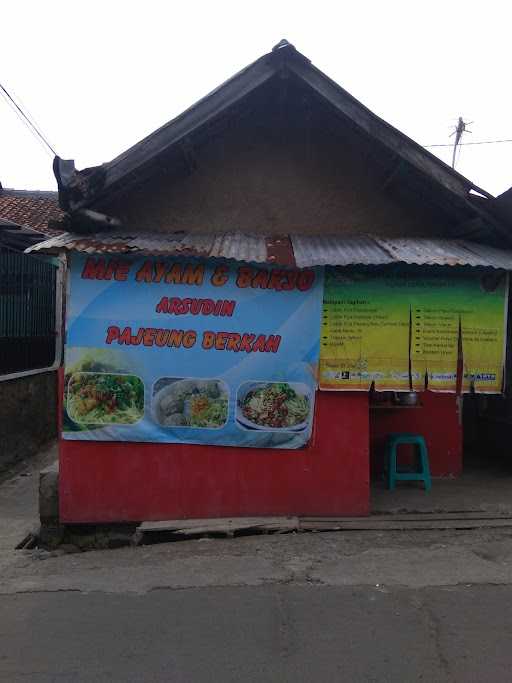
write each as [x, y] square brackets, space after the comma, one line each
[401, 607]
[275, 632]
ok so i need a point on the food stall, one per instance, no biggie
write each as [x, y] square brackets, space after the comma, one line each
[253, 289]
[209, 387]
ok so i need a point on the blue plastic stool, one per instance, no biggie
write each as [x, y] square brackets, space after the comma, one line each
[422, 470]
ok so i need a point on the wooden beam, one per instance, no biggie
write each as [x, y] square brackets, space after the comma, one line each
[189, 155]
[211, 106]
[192, 527]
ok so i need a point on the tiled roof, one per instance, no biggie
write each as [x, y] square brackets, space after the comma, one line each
[31, 208]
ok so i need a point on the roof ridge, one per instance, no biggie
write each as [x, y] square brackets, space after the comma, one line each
[80, 189]
[32, 193]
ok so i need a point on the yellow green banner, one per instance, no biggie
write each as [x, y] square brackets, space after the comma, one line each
[365, 333]
[406, 328]
[434, 330]
[484, 332]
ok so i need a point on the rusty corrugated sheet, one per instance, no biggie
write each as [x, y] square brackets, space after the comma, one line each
[371, 250]
[242, 247]
[495, 258]
[444, 252]
[304, 251]
[280, 250]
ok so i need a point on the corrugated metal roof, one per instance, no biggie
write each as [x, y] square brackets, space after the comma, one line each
[302, 250]
[335, 250]
[242, 247]
[496, 258]
[373, 250]
[445, 252]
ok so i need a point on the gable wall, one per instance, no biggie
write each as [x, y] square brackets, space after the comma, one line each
[262, 178]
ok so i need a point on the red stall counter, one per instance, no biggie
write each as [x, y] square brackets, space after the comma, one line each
[122, 481]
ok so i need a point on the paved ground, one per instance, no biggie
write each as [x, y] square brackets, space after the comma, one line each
[274, 632]
[18, 503]
[353, 606]
[485, 486]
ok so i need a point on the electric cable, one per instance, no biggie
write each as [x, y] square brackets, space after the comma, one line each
[26, 119]
[479, 142]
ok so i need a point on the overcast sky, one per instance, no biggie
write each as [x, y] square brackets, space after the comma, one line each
[98, 76]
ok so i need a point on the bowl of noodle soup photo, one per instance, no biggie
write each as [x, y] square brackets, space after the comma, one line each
[101, 398]
[274, 406]
[190, 402]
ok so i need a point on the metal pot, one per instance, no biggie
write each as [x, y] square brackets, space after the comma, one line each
[407, 398]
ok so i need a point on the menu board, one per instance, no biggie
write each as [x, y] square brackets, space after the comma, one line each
[434, 347]
[435, 321]
[459, 312]
[365, 332]
[404, 329]
[183, 350]
[484, 333]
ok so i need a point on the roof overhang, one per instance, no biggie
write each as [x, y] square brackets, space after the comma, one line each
[18, 237]
[302, 251]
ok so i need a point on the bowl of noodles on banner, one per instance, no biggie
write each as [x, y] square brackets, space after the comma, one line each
[274, 406]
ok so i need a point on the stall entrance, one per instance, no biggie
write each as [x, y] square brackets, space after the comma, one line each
[470, 472]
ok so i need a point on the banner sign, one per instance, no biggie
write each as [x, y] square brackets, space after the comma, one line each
[402, 329]
[435, 303]
[463, 306]
[191, 351]
[484, 332]
[365, 332]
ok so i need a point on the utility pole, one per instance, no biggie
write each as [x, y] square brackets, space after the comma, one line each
[460, 128]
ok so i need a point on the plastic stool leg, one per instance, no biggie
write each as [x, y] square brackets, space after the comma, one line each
[425, 467]
[392, 466]
[387, 456]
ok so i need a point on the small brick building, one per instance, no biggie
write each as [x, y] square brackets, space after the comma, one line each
[278, 166]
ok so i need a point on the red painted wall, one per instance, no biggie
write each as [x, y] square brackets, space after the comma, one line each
[437, 419]
[114, 482]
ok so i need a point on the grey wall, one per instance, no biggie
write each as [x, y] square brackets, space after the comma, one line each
[28, 416]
